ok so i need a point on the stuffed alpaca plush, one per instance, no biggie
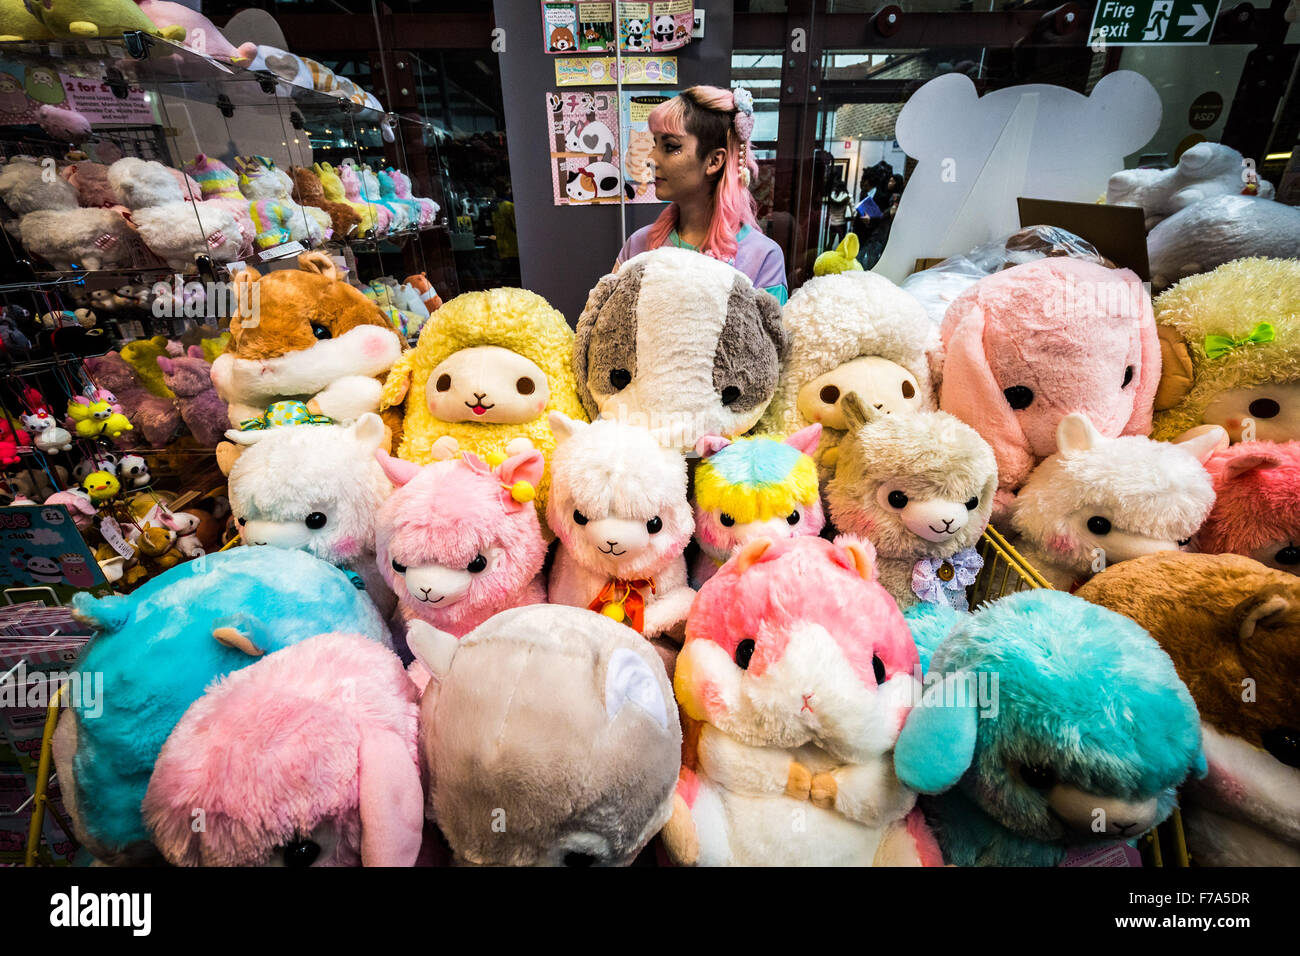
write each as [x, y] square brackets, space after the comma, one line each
[1232, 352]
[219, 184]
[190, 379]
[400, 215]
[98, 18]
[753, 488]
[483, 377]
[1218, 230]
[388, 192]
[335, 192]
[1027, 346]
[52, 226]
[1047, 725]
[800, 697]
[157, 418]
[1232, 627]
[175, 230]
[91, 182]
[380, 218]
[332, 769]
[1099, 501]
[858, 333]
[303, 334]
[1204, 170]
[276, 217]
[619, 508]
[315, 488]
[160, 648]
[554, 719]
[682, 366]
[310, 191]
[402, 187]
[920, 487]
[1257, 504]
[459, 541]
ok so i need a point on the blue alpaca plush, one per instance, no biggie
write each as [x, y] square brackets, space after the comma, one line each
[156, 651]
[1047, 724]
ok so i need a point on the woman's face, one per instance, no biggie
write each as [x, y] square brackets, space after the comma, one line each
[680, 174]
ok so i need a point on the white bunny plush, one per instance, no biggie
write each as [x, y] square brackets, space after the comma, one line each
[801, 671]
[1099, 501]
[618, 505]
[175, 230]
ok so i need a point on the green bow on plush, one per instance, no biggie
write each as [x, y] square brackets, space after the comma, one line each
[1217, 346]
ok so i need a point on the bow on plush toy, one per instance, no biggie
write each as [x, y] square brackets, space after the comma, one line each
[623, 601]
[1217, 346]
[288, 412]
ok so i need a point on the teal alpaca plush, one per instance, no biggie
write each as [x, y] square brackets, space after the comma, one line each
[156, 650]
[1048, 724]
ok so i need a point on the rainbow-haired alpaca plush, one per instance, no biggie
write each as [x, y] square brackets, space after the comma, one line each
[459, 541]
[753, 488]
[1257, 509]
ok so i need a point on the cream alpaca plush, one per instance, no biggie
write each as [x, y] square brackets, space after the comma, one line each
[175, 230]
[618, 505]
[920, 488]
[52, 226]
[1099, 501]
[852, 332]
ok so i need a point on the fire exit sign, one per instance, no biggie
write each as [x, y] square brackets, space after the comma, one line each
[1162, 22]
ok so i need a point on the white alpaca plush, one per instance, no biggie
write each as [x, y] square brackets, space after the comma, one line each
[53, 227]
[618, 505]
[920, 488]
[315, 488]
[1099, 501]
[851, 332]
[175, 230]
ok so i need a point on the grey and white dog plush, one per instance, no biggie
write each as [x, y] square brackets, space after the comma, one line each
[681, 344]
[550, 737]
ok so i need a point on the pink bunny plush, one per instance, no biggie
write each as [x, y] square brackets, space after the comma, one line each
[190, 379]
[352, 189]
[327, 774]
[801, 692]
[1027, 346]
[459, 541]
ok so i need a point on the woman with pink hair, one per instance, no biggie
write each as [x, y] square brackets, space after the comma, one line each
[703, 166]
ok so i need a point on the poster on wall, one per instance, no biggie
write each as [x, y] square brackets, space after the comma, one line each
[603, 70]
[44, 551]
[636, 139]
[584, 147]
[25, 88]
[588, 26]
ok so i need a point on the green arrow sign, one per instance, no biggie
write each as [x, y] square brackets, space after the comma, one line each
[1155, 22]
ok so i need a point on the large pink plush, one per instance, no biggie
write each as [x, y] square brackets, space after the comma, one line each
[459, 541]
[1257, 504]
[305, 758]
[1031, 344]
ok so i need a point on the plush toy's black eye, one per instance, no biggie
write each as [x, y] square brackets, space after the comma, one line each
[444, 383]
[1099, 525]
[477, 565]
[897, 499]
[399, 568]
[908, 389]
[878, 666]
[973, 503]
[243, 521]
[1288, 555]
[620, 378]
[792, 518]
[573, 858]
[579, 517]
[1185, 542]
[829, 394]
[316, 521]
[1128, 375]
[525, 386]
[1019, 396]
[1265, 408]
[320, 331]
[744, 651]
[1040, 778]
[726, 519]
[655, 525]
[300, 852]
[730, 395]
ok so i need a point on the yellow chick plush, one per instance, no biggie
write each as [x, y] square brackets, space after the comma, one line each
[484, 377]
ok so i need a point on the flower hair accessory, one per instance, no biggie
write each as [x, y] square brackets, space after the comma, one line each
[743, 124]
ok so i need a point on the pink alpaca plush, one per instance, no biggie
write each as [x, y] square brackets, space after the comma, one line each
[352, 189]
[1257, 508]
[459, 541]
[156, 417]
[327, 774]
[91, 182]
[1029, 345]
[190, 380]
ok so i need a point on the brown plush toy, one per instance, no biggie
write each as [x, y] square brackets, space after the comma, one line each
[1232, 627]
[308, 191]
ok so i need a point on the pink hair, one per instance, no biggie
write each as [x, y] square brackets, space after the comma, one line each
[733, 203]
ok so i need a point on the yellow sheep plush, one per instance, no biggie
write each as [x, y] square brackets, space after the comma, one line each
[485, 374]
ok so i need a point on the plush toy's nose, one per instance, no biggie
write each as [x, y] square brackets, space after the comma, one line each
[436, 585]
[1103, 816]
[617, 536]
[935, 520]
[279, 534]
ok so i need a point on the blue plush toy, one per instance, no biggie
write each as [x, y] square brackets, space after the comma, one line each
[1047, 724]
[158, 648]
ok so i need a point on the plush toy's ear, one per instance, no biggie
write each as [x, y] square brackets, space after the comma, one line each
[861, 555]
[398, 470]
[368, 430]
[596, 299]
[1244, 464]
[1076, 434]
[856, 412]
[769, 313]
[849, 247]
[104, 614]
[1176, 372]
[629, 680]
[166, 364]
[709, 445]
[233, 637]
[747, 556]
[195, 351]
[391, 800]
[319, 263]
[564, 427]
[807, 439]
[523, 473]
[937, 742]
[398, 382]
[1203, 441]
[1260, 610]
[250, 437]
[432, 648]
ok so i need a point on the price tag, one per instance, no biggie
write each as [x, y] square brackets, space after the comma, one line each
[113, 535]
[280, 251]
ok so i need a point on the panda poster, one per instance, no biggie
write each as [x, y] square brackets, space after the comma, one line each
[43, 549]
[601, 26]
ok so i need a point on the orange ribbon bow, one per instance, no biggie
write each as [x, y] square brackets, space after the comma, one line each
[623, 601]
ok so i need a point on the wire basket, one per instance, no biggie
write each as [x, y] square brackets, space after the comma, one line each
[1005, 570]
